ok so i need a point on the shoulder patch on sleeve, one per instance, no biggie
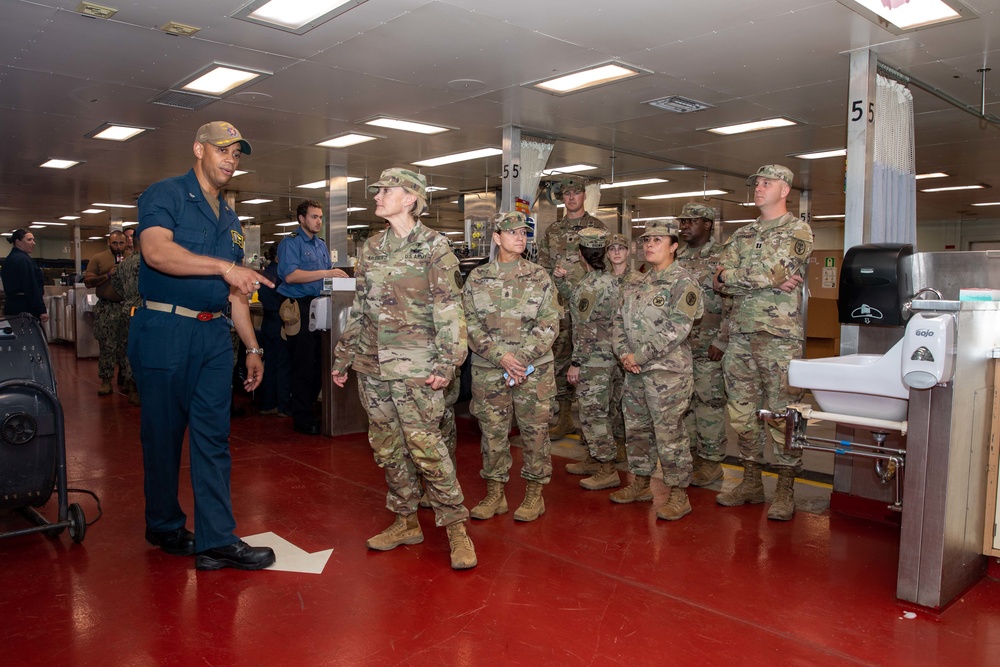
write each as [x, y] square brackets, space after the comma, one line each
[688, 303]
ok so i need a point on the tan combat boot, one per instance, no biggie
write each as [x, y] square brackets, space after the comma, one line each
[606, 477]
[463, 554]
[783, 507]
[565, 425]
[533, 505]
[705, 471]
[677, 505]
[494, 503]
[404, 530]
[588, 466]
[637, 491]
[105, 388]
[750, 490]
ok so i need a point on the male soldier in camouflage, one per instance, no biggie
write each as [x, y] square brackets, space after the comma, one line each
[621, 270]
[513, 319]
[557, 252]
[650, 339]
[109, 322]
[406, 337]
[126, 283]
[760, 268]
[705, 419]
[593, 304]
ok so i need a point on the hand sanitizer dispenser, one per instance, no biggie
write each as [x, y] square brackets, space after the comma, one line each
[929, 350]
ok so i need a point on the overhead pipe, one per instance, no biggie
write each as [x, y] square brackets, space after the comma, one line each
[894, 73]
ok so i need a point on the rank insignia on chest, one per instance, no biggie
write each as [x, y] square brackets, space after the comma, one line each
[659, 301]
[759, 245]
[237, 238]
[507, 292]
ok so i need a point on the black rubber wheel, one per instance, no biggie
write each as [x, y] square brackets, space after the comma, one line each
[77, 523]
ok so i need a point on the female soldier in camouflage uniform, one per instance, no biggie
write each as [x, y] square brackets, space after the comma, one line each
[405, 337]
[621, 269]
[513, 320]
[593, 303]
[650, 338]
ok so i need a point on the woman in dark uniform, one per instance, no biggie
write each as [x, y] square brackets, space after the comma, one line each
[23, 283]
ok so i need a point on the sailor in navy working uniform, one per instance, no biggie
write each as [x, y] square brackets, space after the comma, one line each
[190, 278]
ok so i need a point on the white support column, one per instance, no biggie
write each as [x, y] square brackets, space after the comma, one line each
[510, 173]
[335, 220]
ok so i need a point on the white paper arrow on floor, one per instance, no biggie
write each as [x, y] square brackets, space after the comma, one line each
[288, 557]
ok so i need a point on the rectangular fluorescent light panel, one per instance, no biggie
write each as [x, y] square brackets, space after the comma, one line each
[221, 79]
[678, 195]
[36, 226]
[50, 224]
[54, 163]
[988, 203]
[113, 205]
[936, 174]
[740, 128]
[828, 217]
[955, 187]
[357, 226]
[733, 222]
[243, 218]
[626, 184]
[406, 125]
[112, 132]
[283, 233]
[435, 188]
[239, 172]
[910, 14]
[295, 16]
[76, 217]
[459, 157]
[93, 210]
[568, 169]
[819, 155]
[658, 217]
[293, 223]
[588, 78]
[256, 201]
[345, 140]
[355, 209]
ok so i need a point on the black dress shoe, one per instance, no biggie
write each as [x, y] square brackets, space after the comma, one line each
[311, 428]
[178, 542]
[240, 555]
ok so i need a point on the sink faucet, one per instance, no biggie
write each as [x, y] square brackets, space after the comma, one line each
[908, 305]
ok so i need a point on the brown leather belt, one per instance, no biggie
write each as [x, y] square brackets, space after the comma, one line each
[201, 315]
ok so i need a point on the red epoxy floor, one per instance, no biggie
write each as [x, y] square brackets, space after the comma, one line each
[590, 583]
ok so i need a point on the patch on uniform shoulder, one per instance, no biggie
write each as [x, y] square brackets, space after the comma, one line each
[690, 298]
[800, 247]
[689, 302]
[237, 238]
[584, 305]
[659, 301]
[459, 281]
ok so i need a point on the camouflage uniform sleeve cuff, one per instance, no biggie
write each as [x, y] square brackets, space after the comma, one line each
[639, 358]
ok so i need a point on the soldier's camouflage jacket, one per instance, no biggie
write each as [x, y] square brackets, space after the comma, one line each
[593, 304]
[712, 329]
[560, 243]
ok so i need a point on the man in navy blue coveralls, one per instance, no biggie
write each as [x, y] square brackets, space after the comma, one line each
[303, 263]
[181, 351]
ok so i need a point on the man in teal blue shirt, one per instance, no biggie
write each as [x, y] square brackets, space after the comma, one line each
[303, 263]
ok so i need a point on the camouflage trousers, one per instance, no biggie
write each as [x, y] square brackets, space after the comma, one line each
[617, 391]
[593, 391]
[126, 364]
[654, 405]
[111, 332]
[404, 418]
[562, 350]
[449, 432]
[705, 419]
[495, 404]
[755, 366]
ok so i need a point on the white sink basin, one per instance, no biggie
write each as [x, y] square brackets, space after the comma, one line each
[861, 385]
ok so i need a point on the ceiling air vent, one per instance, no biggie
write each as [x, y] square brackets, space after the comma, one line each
[182, 100]
[678, 104]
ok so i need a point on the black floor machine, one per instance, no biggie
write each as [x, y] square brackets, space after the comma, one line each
[32, 433]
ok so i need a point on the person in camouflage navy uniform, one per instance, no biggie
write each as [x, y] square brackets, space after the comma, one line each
[406, 338]
[650, 338]
[761, 268]
[557, 252]
[705, 418]
[621, 269]
[126, 283]
[513, 317]
[593, 304]
[109, 321]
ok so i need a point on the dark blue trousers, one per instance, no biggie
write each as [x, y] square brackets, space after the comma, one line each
[183, 370]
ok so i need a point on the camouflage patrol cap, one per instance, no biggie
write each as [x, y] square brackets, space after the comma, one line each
[397, 177]
[572, 183]
[618, 239]
[774, 172]
[660, 228]
[220, 133]
[592, 237]
[510, 220]
[695, 210]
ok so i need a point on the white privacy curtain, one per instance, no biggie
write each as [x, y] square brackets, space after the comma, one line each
[894, 185]
[535, 153]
